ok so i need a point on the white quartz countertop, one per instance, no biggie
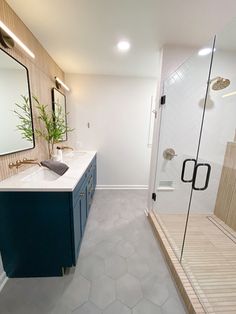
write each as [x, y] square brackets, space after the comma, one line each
[33, 178]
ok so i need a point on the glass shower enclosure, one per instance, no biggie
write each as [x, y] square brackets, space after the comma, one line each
[196, 171]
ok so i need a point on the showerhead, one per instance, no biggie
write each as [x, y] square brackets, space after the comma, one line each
[220, 83]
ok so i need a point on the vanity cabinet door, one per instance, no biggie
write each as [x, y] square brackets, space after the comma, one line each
[89, 193]
[77, 228]
[94, 177]
[83, 207]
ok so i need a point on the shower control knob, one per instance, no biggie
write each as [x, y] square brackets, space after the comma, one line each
[169, 154]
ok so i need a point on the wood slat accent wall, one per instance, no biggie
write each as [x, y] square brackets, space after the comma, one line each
[42, 71]
[227, 182]
[225, 207]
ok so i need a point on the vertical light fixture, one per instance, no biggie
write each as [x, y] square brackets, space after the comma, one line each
[7, 39]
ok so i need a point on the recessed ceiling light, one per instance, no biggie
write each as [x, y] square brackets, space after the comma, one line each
[205, 51]
[123, 45]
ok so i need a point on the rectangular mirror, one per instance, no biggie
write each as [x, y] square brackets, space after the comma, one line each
[59, 108]
[16, 122]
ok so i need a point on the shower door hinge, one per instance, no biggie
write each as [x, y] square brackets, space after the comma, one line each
[154, 197]
[163, 100]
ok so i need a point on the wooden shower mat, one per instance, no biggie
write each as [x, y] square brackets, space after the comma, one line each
[209, 258]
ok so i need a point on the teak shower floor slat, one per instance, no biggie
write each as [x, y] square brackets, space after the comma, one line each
[209, 258]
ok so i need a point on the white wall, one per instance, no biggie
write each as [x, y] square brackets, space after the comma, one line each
[118, 111]
[173, 57]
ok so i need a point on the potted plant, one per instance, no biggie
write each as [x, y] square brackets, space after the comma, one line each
[54, 125]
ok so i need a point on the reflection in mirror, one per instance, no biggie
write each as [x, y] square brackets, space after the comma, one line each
[16, 125]
[59, 108]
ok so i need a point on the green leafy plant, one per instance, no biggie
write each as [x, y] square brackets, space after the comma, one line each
[54, 125]
[23, 112]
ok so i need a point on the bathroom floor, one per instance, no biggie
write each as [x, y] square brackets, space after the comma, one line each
[120, 269]
[209, 257]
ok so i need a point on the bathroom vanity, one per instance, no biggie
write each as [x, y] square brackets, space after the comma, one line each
[43, 217]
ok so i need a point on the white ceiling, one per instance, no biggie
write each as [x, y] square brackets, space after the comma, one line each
[81, 35]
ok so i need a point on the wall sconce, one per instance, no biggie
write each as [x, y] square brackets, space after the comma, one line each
[8, 38]
[59, 83]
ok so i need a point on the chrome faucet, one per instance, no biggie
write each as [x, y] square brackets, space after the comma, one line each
[25, 161]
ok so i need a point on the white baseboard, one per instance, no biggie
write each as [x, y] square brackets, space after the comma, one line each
[121, 187]
[3, 280]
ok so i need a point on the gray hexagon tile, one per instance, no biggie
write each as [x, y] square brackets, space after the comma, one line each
[154, 289]
[115, 266]
[173, 303]
[76, 293]
[115, 237]
[91, 266]
[103, 292]
[120, 223]
[129, 290]
[87, 308]
[147, 307]
[127, 215]
[117, 308]
[104, 249]
[60, 308]
[137, 266]
[125, 249]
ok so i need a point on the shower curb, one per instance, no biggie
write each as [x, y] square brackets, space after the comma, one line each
[183, 284]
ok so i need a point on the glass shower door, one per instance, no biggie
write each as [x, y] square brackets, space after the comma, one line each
[209, 255]
[180, 126]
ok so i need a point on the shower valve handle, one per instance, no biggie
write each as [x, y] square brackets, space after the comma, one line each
[169, 153]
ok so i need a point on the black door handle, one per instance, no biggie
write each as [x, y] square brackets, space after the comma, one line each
[207, 177]
[183, 170]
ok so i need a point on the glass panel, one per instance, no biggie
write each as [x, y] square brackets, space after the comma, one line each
[181, 119]
[210, 247]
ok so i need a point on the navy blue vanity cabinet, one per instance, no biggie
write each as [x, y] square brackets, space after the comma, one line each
[41, 232]
[35, 233]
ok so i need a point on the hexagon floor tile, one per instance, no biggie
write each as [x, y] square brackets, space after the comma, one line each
[104, 249]
[115, 266]
[91, 266]
[129, 290]
[87, 308]
[117, 308]
[147, 307]
[103, 292]
[170, 304]
[125, 248]
[155, 290]
[77, 292]
[137, 266]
